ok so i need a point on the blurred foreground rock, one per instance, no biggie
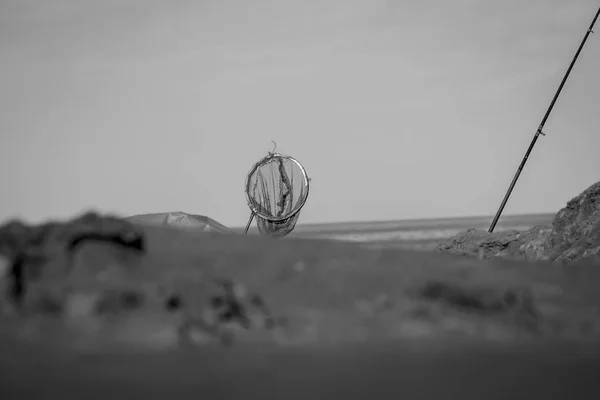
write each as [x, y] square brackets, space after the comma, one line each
[574, 236]
[101, 281]
[92, 271]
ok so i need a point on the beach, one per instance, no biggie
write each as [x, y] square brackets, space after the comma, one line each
[416, 234]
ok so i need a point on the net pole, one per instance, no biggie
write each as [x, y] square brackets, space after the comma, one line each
[249, 222]
[541, 126]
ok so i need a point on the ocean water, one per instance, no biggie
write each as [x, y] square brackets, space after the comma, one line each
[420, 234]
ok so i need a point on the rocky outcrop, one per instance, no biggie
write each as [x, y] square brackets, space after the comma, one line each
[528, 245]
[576, 229]
[573, 236]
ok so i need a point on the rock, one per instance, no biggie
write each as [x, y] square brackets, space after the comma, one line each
[39, 252]
[196, 289]
[576, 229]
[14, 236]
[53, 237]
[532, 242]
[526, 245]
[574, 236]
[94, 270]
[4, 266]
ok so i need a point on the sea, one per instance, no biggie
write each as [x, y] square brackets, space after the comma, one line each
[416, 234]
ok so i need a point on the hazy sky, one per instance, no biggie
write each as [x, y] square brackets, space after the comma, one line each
[397, 109]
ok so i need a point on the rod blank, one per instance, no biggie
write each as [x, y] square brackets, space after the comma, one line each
[541, 127]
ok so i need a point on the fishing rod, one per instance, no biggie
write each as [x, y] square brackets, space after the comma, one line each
[541, 127]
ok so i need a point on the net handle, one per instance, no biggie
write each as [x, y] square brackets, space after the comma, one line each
[271, 218]
[252, 214]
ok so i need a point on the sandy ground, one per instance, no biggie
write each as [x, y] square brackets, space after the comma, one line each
[356, 323]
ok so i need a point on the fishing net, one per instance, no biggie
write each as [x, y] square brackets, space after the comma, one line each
[276, 190]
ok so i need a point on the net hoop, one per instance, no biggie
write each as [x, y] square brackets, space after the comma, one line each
[301, 201]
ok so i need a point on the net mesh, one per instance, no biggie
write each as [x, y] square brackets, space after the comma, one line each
[277, 188]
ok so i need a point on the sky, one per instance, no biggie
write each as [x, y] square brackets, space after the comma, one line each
[397, 109]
